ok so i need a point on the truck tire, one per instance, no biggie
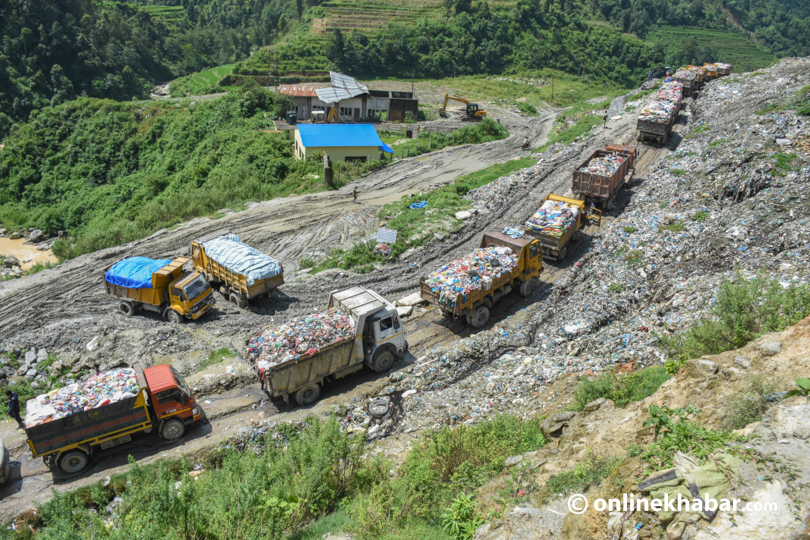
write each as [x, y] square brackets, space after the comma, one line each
[127, 309]
[173, 317]
[73, 461]
[237, 300]
[527, 287]
[308, 396]
[480, 317]
[172, 429]
[383, 360]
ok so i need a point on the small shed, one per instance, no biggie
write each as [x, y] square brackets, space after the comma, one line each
[341, 142]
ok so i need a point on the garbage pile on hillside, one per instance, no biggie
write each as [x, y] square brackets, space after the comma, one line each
[604, 165]
[97, 391]
[654, 272]
[671, 91]
[303, 336]
[553, 218]
[382, 250]
[475, 271]
[495, 194]
[659, 111]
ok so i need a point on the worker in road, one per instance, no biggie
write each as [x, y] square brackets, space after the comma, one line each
[604, 120]
[525, 143]
[14, 408]
[354, 194]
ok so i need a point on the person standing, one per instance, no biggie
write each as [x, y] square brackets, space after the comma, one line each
[650, 75]
[354, 193]
[604, 120]
[14, 408]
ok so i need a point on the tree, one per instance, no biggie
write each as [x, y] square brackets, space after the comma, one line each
[336, 47]
[62, 87]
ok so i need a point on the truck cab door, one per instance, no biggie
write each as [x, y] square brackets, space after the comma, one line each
[389, 331]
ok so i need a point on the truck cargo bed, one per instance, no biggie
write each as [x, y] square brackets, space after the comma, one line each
[596, 185]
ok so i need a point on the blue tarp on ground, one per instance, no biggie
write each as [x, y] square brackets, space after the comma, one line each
[341, 135]
[418, 205]
[237, 257]
[135, 272]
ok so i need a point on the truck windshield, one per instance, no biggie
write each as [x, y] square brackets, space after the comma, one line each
[181, 382]
[196, 287]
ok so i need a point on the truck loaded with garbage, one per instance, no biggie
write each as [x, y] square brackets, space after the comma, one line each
[558, 221]
[158, 286]
[358, 328]
[65, 426]
[600, 177]
[469, 287]
[241, 272]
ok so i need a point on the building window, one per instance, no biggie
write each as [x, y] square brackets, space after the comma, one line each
[346, 111]
[356, 159]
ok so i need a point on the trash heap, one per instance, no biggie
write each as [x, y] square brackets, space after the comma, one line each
[496, 193]
[382, 250]
[711, 70]
[298, 338]
[97, 391]
[475, 271]
[723, 67]
[604, 165]
[671, 91]
[660, 112]
[704, 214]
[698, 70]
[553, 218]
[685, 74]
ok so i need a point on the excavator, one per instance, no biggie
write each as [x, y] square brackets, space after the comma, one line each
[473, 114]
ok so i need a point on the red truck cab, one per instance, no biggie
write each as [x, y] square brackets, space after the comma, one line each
[173, 403]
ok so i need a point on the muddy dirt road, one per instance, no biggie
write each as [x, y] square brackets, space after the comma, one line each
[65, 311]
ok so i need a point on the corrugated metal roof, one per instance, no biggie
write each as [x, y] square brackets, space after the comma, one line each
[343, 87]
[159, 378]
[296, 90]
[341, 135]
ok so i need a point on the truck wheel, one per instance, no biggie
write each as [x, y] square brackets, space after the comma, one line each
[127, 309]
[480, 317]
[308, 395]
[238, 301]
[73, 461]
[382, 361]
[563, 253]
[173, 429]
[527, 287]
[173, 317]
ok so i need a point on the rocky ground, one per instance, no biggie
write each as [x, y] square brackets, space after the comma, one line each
[726, 192]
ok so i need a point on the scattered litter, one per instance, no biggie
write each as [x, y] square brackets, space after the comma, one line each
[418, 205]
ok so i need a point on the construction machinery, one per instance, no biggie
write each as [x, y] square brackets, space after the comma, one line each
[472, 112]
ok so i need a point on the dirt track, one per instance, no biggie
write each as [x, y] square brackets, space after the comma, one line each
[64, 309]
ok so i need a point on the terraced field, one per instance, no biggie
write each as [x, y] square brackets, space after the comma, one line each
[171, 15]
[730, 47]
[368, 16]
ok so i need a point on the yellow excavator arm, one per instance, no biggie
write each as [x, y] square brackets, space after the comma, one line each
[473, 112]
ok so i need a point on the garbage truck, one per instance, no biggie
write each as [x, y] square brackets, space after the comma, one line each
[241, 272]
[558, 221]
[481, 291]
[600, 177]
[370, 334]
[65, 426]
[160, 286]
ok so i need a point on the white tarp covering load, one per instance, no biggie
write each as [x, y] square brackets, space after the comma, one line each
[237, 257]
[343, 87]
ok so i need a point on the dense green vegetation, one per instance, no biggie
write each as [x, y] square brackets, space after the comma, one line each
[290, 483]
[142, 167]
[622, 389]
[745, 309]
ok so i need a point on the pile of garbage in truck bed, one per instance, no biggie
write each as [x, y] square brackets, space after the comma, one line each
[604, 165]
[685, 74]
[475, 271]
[303, 336]
[671, 91]
[660, 112]
[553, 218]
[97, 391]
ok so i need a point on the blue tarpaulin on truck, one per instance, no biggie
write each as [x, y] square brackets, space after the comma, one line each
[240, 258]
[135, 272]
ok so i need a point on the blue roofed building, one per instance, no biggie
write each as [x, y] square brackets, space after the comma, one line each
[341, 142]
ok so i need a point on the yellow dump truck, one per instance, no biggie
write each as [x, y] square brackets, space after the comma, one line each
[553, 227]
[475, 304]
[160, 286]
[241, 272]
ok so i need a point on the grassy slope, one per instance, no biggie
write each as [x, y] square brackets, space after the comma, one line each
[729, 47]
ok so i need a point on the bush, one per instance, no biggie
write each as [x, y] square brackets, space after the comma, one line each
[621, 389]
[587, 473]
[749, 405]
[745, 310]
